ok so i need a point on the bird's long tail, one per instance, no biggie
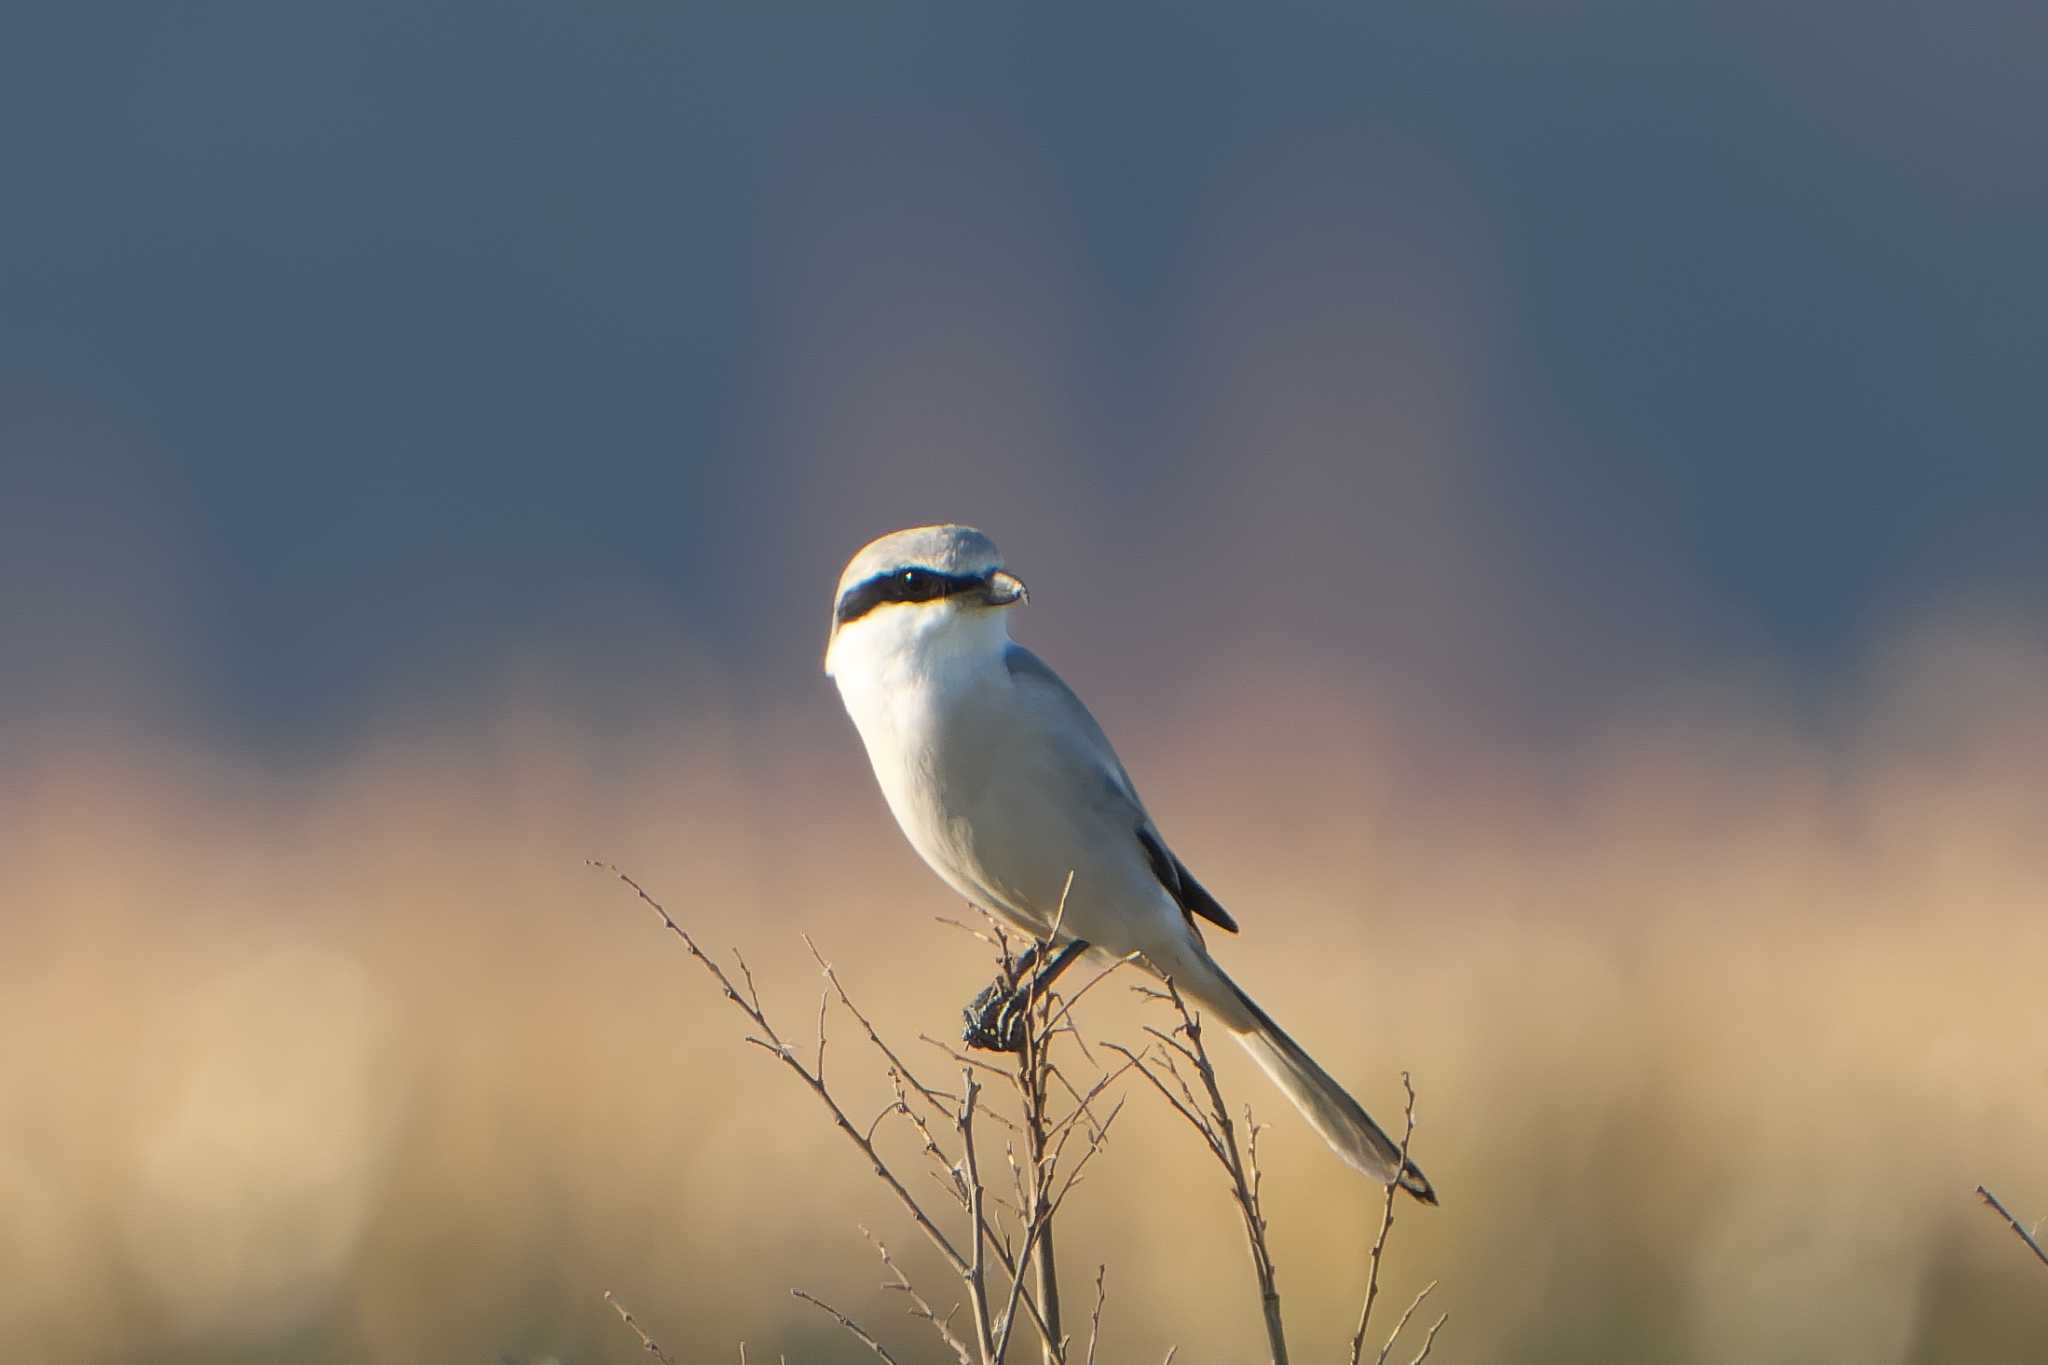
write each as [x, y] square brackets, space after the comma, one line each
[1330, 1110]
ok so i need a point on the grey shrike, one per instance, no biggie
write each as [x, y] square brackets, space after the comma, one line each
[1005, 785]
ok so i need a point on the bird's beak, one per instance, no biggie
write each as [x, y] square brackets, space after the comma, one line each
[1005, 590]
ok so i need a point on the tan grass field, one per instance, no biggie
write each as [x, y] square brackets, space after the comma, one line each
[1715, 1031]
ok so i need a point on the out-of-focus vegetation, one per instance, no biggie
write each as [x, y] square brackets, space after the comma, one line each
[1715, 1035]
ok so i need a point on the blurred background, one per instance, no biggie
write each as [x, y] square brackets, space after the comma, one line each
[1547, 498]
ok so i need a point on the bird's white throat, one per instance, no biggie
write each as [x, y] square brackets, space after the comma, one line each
[912, 645]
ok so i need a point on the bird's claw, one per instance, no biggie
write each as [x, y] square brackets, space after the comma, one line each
[995, 1019]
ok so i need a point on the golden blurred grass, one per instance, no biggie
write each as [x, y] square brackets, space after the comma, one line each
[1714, 1030]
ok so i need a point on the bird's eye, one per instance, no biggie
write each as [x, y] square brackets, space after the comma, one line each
[915, 583]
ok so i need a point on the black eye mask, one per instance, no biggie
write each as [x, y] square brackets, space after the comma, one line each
[905, 585]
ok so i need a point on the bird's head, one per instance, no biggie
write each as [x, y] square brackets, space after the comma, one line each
[929, 585]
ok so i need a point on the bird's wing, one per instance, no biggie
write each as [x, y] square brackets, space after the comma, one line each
[1087, 748]
[1173, 874]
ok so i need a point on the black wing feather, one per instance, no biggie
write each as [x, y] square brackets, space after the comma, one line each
[1180, 883]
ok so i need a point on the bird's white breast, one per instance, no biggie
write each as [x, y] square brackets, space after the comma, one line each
[928, 694]
[1004, 787]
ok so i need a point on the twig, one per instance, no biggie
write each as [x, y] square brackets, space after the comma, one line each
[1059, 915]
[1060, 1017]
[975, 1275]
[1013, 1268]
[958, 1188]
[750, 1006]
[1212, 1121]
[859, 1333]
[745, 970]
[2019, 1231]
[1035, 1207]
[1402, 1325]
[1430, 1340]
[967, 928]
[1082, 1101]
[1033, 1067]
[1039, 1167]
[1096, 1142]
[920, 1308]
[1379, 1243]
[647, 1343]
[1251, 1160]
[1137, 1059]
[1095, 1318]
[821, 1037]
[896, 1063]
[973, 1063]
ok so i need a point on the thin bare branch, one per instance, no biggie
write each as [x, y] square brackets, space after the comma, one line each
[975, 1274]
[1251, 1160]
[1001, 1250]
[1095, 1144]
[931, 1144]
[1187, 1053]
[891, 1107]
[1095, 1318]
[1033, 1206]
[1211, 1118]
[745, 971]
[1060, 914]
[822, 998]
[1379, 1243]
[1040, 1164]
[919, 1307]
[957, 1189]
[1081, 1100]
[1402, 1325]
[1035, 1232]
[2019, 1231]
[1067, 1003]
[647, 1343]
[858, 1332]
[749, 1005]
[963, 1059]
[967, 928]
[1430, 1340]
[931, 1096]
[1098, 1135]
[1194, 1119]
[1033, 1071]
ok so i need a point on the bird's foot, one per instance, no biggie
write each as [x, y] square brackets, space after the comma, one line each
[996, 1017]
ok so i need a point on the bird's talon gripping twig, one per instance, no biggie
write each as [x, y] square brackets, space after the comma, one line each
[995, 1017]
[995, 1020]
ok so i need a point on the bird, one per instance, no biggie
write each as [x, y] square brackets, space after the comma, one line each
[1003, 782]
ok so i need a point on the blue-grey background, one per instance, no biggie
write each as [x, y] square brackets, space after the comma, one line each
[382, 322]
